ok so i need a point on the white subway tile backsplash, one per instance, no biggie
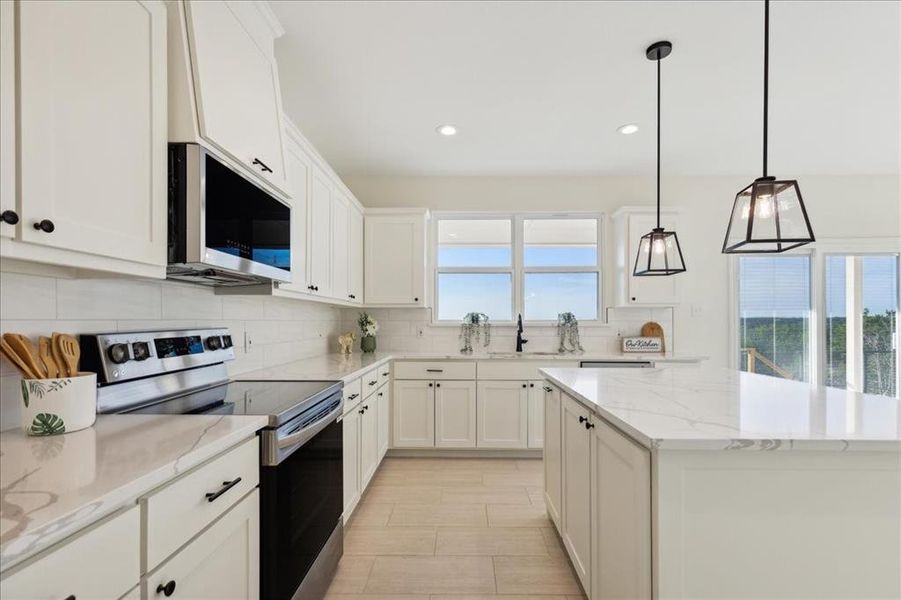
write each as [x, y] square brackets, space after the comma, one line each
[108, 299]
[27, 296]
[190, 302]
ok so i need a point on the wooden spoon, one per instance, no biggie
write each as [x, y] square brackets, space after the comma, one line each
[70, 352]
[22, 346]
[17, 362]
[57, 356]
[46, 354]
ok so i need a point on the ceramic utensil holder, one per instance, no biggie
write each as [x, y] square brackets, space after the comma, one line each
[62, 405]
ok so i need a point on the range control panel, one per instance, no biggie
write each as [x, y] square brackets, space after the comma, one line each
[124, 356]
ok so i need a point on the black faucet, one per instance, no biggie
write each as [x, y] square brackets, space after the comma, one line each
[519, 340]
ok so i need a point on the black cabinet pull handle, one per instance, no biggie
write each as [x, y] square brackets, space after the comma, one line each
[11, 217]
[373, 382]
[380, 394]
[386, 374]
[167, 590]
[352, 396]
[70, 596]
[548, 389]
[263, 166]
[46, 225]
[582, 419]
[211, 496]
[434, 370]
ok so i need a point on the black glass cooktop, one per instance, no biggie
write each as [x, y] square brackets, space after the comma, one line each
[281, 401]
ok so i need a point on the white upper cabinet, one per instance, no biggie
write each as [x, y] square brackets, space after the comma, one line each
[299, 177]
[234, 85]
[355, 291]
[340, 254]
[395, 257]
[629, 224]
[320, 230]
[91, 147]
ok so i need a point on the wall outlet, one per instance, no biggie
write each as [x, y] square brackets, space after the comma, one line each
[248, 342]
[697, 310]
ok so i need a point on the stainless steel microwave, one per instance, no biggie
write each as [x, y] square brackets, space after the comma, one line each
[224, 229]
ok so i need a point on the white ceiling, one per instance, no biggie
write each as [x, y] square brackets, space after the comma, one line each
[540, 87]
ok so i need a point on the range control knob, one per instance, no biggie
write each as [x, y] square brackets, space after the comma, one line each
[214, 342]
[226, 341]
[140, 350]
[118, 353]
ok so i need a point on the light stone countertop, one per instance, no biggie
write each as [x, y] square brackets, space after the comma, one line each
[51, 487]
[710, 408]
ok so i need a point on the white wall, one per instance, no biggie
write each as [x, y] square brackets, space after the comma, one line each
[282, 330]
[839, 207]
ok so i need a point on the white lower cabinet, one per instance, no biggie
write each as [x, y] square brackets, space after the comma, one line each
[365, 433]
[503, 414]
[369, 439]
[455, 414]
[536, 414]
[552, 453]
[576, 477]
[351, 461]
[414, 414]
[102, 562]
[383, 401]
[222, 562]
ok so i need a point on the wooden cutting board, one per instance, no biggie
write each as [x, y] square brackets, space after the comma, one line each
[652, 329]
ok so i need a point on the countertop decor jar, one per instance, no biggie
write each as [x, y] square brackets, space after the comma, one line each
[60, 405]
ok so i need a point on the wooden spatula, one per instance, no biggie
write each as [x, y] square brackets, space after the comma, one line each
[17, 362]
[45, 352]
[69, 351]
[26, 351]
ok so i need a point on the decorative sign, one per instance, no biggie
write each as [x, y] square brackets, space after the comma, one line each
[643, 344]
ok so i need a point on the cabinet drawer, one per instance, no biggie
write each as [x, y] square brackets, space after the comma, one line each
[435, 370]
[515, 369]
[103, 562]
[370, 381]
[353, 393]
[384, 373]
[177, 512]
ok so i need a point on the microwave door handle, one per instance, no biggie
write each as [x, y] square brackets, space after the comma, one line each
[310, 430]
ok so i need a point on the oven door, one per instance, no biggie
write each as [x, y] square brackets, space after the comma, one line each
[301, 510]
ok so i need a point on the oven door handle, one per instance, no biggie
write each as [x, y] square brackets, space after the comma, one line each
[309, 431]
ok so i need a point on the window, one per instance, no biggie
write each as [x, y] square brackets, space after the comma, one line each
[774, 315]
[861, 328]
[537, 266]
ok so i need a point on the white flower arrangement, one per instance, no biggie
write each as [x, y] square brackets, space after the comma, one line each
[368, 326]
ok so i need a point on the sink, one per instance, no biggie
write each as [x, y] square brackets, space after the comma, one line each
[520, 354]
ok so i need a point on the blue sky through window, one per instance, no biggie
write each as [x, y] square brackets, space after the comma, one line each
[880, 276]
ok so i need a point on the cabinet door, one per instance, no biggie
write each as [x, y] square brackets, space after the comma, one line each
[351, 461]
[503, 414]
[8, 115]
[621, 515]
[299, 176]
[395, 259]
[92, 127]
[455, 414]
[340, 247]
[369, 440]
[222, 562]
[553, 465]
[576, 521]
[414, 414]
[649, 290]
[355, 291]
[536, 414]
[383, 400]
[236, 87]
[320, 234]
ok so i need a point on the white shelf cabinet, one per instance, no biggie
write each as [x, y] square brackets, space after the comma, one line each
[503, 414]
[629, 224]
[351, 459]
[234, 78]
[455, 414]
[369, 439]
[576, 484]
[90, 124]
[395, 257]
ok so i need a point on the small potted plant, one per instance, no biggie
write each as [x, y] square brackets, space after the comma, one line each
[369, 327]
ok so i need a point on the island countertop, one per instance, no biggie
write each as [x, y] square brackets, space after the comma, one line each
[710, 408]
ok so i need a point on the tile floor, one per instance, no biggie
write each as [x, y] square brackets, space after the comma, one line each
[453, 529]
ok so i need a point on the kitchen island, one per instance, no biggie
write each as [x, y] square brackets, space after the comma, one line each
[712, 483]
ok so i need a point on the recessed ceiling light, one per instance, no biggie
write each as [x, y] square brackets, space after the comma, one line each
[628, 129]
[446, 130]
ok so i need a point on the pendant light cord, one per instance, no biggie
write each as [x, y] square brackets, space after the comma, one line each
[658, 141]
[766, 77]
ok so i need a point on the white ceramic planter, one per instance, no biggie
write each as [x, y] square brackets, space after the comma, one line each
[53, 406]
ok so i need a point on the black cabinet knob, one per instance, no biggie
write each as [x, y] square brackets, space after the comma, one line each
[531, 385]
[415, 299]
[10, 217]
[589, 425]
[582, 419]
[316, 288]
[45, 225]
[361, 411]
[168, 589]
[437, 385]
[633, 298]
[351, 296]
[70, 597]
[430, 385]
[523, 385]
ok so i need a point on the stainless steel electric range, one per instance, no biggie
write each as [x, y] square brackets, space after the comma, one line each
[183, 372]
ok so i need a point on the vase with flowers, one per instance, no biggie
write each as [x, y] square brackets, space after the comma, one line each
[369, 327]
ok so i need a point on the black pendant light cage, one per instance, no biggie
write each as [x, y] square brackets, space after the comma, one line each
[659, 252]
[769, 215]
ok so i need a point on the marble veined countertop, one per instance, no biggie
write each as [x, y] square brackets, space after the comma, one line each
[346, 367]
[50, 487]
[710, 408]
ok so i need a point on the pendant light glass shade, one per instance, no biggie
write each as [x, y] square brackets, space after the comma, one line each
[659, 253]
[768, 216]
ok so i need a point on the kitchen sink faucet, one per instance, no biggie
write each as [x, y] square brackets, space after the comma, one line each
[519, 339]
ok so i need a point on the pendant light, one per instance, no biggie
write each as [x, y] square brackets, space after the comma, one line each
[658, 251]
[768, 216]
